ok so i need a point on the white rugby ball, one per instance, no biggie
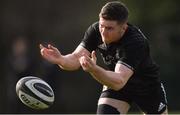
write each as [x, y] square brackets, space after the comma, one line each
[35, 92]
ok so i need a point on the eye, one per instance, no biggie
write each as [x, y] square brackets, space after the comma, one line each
[109, 28]
[101, 26]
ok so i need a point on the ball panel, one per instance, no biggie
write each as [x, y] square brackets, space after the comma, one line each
[30, 85]
[44, 89]
[31, 102]
[21, 82]
[34, 92]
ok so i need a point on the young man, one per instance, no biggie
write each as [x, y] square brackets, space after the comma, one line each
[132, 76]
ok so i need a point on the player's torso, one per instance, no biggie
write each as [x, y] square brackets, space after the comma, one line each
[110, 54]
[145, 74]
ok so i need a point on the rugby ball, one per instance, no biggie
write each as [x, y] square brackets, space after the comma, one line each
[35, 92]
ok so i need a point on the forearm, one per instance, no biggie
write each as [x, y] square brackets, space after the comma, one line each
[108, 78]
[69, 62]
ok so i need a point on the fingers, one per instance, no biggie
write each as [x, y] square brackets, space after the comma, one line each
[83, 61]
[85, 64]
[43, 50]
[86, 60]
[48, 48]
[93, 55]
[41, 46]
[51, 47]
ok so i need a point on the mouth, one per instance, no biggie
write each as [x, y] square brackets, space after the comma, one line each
[105, 40]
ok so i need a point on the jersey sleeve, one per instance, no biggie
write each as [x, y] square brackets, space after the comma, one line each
[91, 38]
[134, 54]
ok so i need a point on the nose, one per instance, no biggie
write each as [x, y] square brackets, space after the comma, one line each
[103, 31]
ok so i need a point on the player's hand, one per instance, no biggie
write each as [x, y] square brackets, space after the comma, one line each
[50, 53]
[88, 63]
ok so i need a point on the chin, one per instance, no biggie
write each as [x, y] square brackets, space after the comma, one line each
[106, 41]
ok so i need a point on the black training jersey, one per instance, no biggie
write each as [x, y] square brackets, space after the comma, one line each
[132, 50]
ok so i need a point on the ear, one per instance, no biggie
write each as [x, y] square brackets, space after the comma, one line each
[125, 26]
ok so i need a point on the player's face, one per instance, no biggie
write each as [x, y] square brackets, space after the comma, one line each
[111, 31]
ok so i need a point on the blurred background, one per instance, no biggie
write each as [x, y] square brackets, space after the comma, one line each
[24, 24]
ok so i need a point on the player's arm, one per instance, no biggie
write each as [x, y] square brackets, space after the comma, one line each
[66, 62]
[114, 79]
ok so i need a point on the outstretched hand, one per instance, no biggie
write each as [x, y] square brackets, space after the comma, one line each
[50, 53]
[88, 63]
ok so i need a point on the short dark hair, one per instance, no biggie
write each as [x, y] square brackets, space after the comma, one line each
[114, 10]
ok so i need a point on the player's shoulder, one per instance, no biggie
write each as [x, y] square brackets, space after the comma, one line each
[95, 25]
[134, 38]
[135, 35]
[93, 29]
